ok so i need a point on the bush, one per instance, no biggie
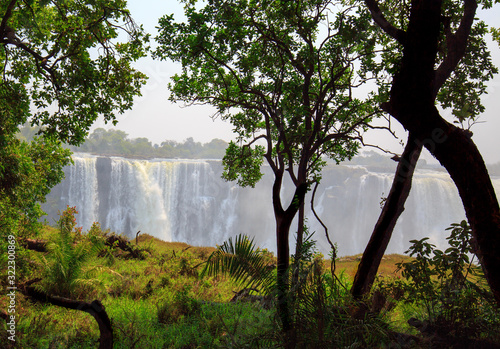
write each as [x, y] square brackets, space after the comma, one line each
[182, 305]
[450, 287]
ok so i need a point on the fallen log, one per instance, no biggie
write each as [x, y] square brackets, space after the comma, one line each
[35, 245]
[124, 245]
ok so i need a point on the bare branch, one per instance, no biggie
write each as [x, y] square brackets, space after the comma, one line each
[456, 45]
[332, 263]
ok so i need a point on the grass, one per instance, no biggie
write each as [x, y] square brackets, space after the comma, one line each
[387, 268]
[162, 302]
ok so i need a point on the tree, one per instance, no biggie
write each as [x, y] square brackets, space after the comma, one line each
[283, 74]
[215, 149]
[460, 91]
[63, 58]
[39, 168]
[141, 146]
[110, 142]
[435, 44]
[62, 67]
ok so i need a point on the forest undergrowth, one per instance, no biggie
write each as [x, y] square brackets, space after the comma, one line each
[161, 294]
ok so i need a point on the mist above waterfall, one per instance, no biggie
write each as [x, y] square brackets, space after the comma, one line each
[186, 200]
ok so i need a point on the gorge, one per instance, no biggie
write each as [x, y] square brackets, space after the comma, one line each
[186, 200]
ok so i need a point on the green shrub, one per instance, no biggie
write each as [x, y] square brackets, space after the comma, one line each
[450, 287]
[321, 307]
[183, 304]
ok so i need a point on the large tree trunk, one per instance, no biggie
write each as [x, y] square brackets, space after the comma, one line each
[412, 104]
[461, 158]
[393, 208]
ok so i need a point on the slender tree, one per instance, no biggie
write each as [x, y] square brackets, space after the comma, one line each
[283, 74]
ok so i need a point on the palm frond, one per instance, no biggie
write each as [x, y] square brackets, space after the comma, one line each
[243, 262]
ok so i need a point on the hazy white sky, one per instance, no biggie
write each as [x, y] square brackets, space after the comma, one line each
[154, 117]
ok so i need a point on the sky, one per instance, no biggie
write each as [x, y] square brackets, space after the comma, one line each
[153, 116]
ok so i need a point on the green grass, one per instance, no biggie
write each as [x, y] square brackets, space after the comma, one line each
[133, 291]
[162, 302]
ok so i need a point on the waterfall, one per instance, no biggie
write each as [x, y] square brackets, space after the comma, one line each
[186, 200]
[84, 171]
[175, 200]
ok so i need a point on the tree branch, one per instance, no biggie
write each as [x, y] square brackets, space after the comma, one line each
[456, 45]
[379, 18]
[7, 15]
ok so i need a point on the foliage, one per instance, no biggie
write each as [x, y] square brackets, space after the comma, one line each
[244, 263]
[461, 91]
[273, 74]
[452, 289]
[30, 171]
[67, 272]
[61, 68]
[67, 55]
[182, 305]
[319, 299]
[38, 166]
[137, 289]
[495, 33]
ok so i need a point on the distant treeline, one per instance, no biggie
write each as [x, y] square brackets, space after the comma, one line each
[117, 143]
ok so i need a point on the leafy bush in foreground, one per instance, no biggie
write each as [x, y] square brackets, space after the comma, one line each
[451, 289]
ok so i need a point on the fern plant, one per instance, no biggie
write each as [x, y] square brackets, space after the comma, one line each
[244, 263]
[66, 270]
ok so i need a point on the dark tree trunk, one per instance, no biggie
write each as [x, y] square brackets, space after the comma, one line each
[300, 229]
[299, 243]
[412, 104]
[461, 158]
[393, 208]
[96, 309]
[282, 232]
[284, 220]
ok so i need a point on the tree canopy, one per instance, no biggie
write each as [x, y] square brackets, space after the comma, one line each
[64, 58]
[277, 73]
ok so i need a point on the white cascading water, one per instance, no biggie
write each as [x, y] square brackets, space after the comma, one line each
[186, 200]
[83, 171]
